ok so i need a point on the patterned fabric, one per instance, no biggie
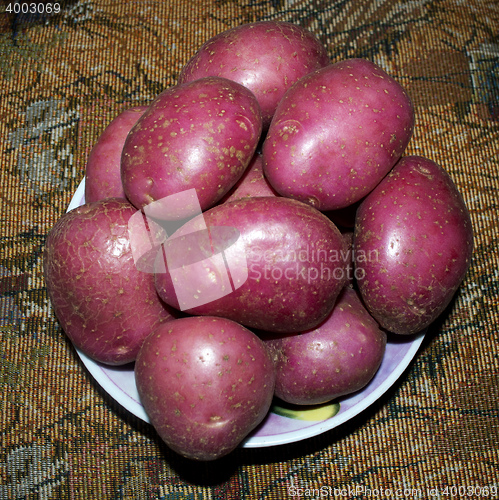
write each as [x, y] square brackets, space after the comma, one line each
[63, 78]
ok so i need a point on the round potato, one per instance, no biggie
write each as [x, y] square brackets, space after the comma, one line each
[205, 383]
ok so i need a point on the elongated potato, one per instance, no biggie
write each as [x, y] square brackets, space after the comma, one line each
[200, 135]
[268, 262]
[413, 243]
[103, 170]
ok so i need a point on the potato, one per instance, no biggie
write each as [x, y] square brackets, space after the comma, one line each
[336, 133]
[103, 173]
[267, 57]
[104, 304]
[266, 262]
[205, 384]
[201, 135]
[338, 357]
[252, 184]
[413, 243]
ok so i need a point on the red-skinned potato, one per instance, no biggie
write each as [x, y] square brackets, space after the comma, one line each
[205, 384]
[103, 173]
[278, 264]
[201, 135]
[337, 358]
[265, 56]
[413, 243]
[336, 133]
[104, 304]
[252, 184]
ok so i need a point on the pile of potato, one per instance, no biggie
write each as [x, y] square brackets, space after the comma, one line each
[256, 232]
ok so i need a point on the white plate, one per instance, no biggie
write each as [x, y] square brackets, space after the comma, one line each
[119, 383]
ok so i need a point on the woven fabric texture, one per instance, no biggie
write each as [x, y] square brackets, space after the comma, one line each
[64, 76]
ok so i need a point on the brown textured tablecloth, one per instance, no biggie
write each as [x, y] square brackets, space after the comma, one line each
[63, 78]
